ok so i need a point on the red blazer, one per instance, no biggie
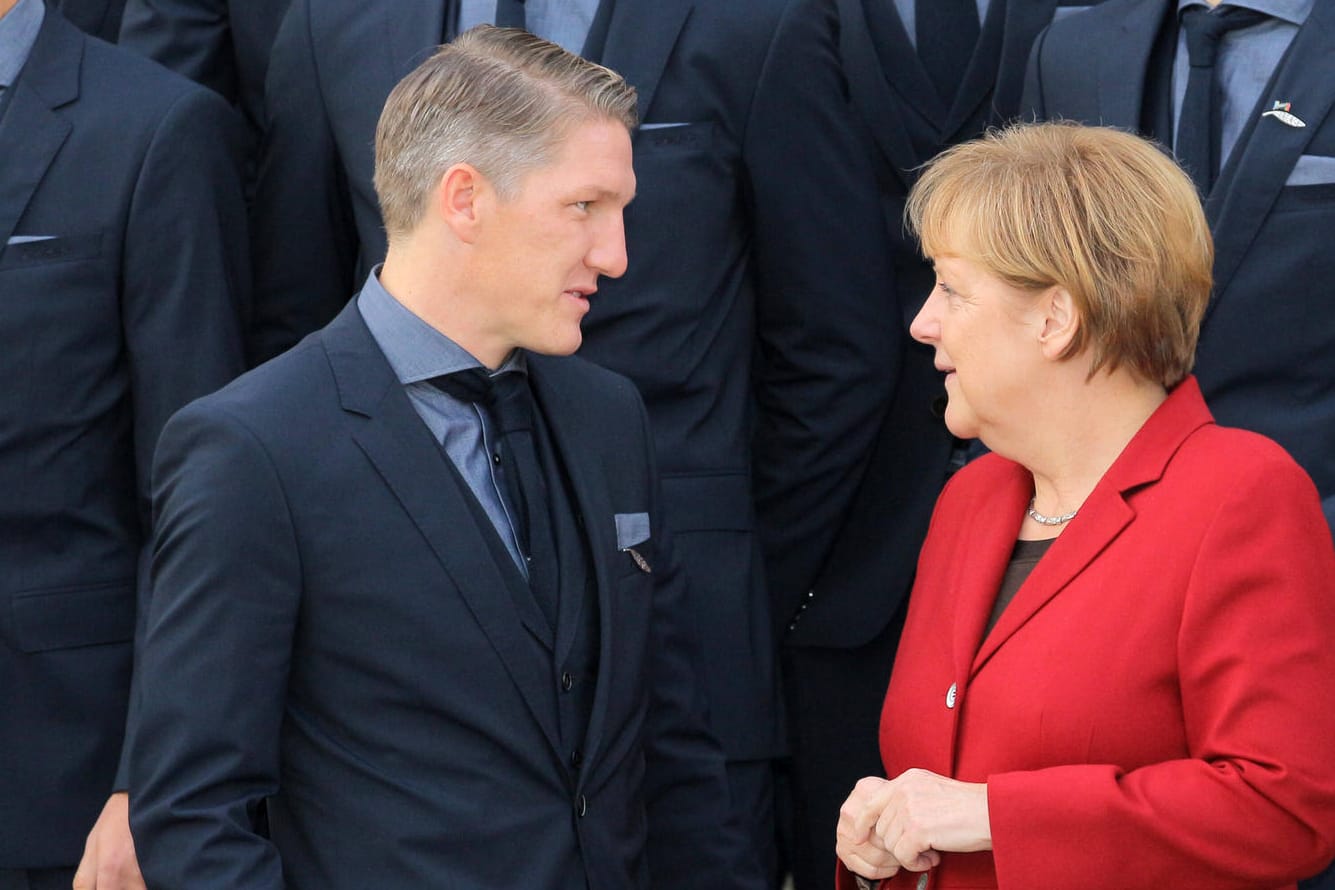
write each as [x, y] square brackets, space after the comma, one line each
[1156, 707]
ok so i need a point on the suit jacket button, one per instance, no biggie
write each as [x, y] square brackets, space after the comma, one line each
[581, 806]
[951, 694]
[567, 681]
[576, 758]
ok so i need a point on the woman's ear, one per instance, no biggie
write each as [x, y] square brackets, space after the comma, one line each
[1060, 322]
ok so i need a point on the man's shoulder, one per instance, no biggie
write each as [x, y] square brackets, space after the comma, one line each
[1105, 21]
[284, 394]
[136, 88]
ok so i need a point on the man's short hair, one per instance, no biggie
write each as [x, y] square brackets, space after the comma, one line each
[1102, 213]
[499, 99]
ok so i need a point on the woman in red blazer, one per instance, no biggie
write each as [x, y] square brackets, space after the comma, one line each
[1118, 668]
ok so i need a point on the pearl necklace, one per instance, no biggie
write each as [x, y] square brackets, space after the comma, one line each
[1049, 520]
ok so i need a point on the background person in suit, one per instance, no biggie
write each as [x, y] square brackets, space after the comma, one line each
[756, 306]
[1123, 613]
[1266, 360]
[921, 77]
[220, 44]
[443, 638]
[1269, 197]
[100, 18]
[123, 278]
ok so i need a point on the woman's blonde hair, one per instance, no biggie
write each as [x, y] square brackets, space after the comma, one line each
[1102, 213]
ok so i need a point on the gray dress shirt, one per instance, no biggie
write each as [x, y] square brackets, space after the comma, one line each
[564, 22]
[18, 32]
[417, 352]
[1247, 59]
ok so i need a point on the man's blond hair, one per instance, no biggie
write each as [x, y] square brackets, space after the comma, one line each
[499, 99]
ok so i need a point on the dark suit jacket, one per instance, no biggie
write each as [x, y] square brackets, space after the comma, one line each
[128, 310]
[1155, 706]
[753, 235]
[846, 593]
[331, 630]
[100, 18]
[218, 43]
[1266, 357]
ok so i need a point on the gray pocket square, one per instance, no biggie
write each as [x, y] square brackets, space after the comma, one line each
[1312, 170]
[632, 529]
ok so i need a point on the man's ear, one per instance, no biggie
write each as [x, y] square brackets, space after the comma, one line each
[1060, 321]
[458, 198]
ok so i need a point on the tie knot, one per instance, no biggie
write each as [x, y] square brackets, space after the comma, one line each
[505, 396]
[1205, 28]
[473, 385]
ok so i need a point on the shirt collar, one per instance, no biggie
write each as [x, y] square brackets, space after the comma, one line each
[18, 32]
[415, 350]
[1295, 12]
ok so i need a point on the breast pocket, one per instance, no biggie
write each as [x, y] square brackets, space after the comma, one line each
[1310, 185]
[67, 617]
[39, 250]
[673, 136]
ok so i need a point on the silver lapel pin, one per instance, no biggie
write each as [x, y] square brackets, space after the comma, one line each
[1282, 112]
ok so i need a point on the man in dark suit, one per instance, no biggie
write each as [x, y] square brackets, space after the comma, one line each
[922, 77]
[123, 275]
[221, 44]
[756, 273]
[412, 583]
[1266, 359]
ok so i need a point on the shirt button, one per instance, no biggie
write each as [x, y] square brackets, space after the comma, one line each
[581, 806]
[951, 694]
[496, 458]
[567, 681]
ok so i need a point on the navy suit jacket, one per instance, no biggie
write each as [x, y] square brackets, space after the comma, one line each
[846, 594]
[128, 307]
[1266, 358]
[752, 241]
[100, 18]
[219, 43]
[331, 631]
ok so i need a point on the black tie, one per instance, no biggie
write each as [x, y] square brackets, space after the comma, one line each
[508, 402]
[1199, 123]
[510, 14]
[947, 32]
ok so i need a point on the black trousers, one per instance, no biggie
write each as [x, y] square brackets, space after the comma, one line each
[833, 699]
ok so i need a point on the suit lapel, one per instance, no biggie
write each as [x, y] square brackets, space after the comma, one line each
[1123, 62]
[570, 422]
[31, 132]
[403, 452]
[640, 38]
[870, 91]
[1268, 149]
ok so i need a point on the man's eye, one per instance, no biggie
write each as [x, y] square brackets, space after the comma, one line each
[583, 205]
